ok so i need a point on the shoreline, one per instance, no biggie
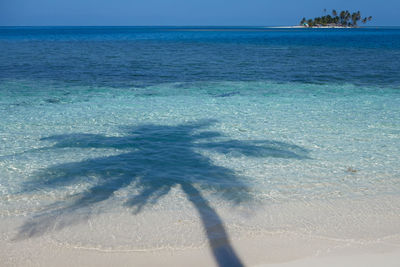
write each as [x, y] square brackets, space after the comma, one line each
[332, 235]
[282, 251]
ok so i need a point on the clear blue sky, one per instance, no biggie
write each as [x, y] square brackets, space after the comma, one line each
[186, 12]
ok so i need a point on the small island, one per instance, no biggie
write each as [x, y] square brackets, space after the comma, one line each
[343, 19]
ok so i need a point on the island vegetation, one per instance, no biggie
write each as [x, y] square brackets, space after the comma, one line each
[336, 19]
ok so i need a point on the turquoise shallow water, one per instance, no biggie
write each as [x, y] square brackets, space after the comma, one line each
[170, 121]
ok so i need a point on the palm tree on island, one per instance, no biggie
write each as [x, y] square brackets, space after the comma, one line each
[343, 19]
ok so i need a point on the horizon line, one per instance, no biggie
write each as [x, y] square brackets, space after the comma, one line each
[280, 25]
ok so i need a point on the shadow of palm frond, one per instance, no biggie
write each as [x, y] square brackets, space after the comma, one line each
[155, 159]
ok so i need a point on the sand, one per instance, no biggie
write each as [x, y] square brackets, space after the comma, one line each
[252, 253]
[278, 249]
[345, 232]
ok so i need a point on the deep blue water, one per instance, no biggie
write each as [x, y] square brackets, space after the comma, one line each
[140, 56]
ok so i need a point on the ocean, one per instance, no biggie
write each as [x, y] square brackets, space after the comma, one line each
[152, 138]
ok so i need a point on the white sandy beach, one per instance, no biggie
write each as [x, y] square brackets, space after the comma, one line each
[332, 235]
[281, 251]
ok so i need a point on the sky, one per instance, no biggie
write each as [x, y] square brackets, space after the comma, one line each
[185, 12]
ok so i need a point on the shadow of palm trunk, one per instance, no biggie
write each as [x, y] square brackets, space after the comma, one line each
[217, 237]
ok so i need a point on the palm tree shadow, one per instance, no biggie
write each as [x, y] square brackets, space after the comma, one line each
[155, 159]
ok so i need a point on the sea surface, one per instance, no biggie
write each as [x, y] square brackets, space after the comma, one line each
[145, 138]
